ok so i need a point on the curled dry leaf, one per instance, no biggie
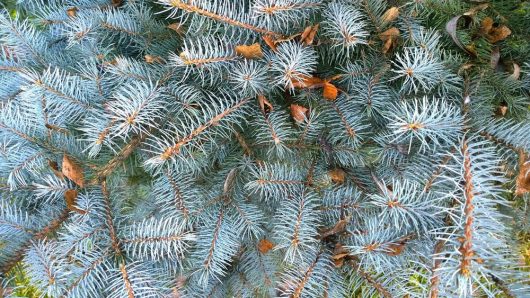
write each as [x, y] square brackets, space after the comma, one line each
[390, 38]
[73, 171]
[264, 246]
[252, 51]
[451, 26]
[516, 71]
[298, 112]
[70, 196]
[264, 104]
[340, 254]
[330, 91]
[390, 15]
[337, 175]
[522, 184]
[230, 180]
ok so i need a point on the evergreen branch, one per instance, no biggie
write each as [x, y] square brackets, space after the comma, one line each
[116, 243]
[37, 235]
[125, 275]
[180, 4]
[118, 159]
[380, 288]
[467, 244]
[175, 149]
[215, 238]
[307, 274]
[179, 200]
[436, 174]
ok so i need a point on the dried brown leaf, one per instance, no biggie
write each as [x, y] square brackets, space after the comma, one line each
[72, 12]
[73, 171]
[330, 92]
[522, 183]
[298, 112]
[337, 175]
[70, 196]
[264, 246]
[271, 42]
[390, 38]
[177, 27]
[264, 104]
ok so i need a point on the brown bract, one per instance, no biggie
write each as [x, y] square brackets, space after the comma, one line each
[252, 51]
[391, 14]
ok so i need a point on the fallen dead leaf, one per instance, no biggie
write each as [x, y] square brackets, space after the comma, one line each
[73, 171]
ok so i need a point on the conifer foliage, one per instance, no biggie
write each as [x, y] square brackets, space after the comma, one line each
[264, 148]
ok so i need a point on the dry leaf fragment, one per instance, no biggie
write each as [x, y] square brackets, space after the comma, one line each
[230, 180]
[390, 38]
[337, 175]
[177, 27]
[501, 110]
[117, 3]
[264, 246]
[72, 12]
[55, 168]
[152, 59]
[305, 33]
[330, 91]
[70, 197]
[252, 51]
[395, 249]
[340, 254]
[298, 112]
[73, 171]
[271, 42]
[306, 81]
[522, 184]
[390, 15]
[494, 33]
[516, 71]
[308, 36]
[339, 227]
[264, 104]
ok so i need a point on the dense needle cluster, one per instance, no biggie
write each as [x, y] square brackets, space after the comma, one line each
[264, 148]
